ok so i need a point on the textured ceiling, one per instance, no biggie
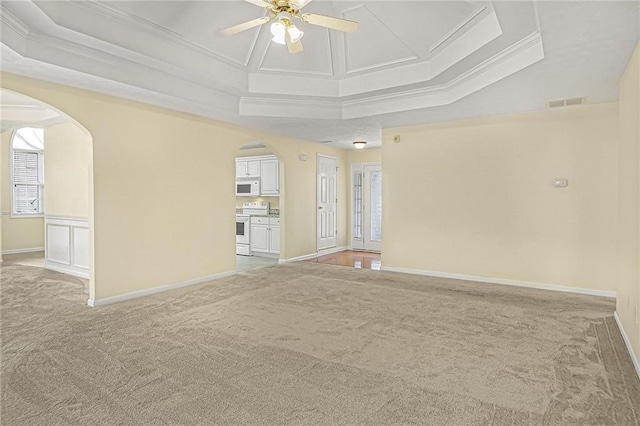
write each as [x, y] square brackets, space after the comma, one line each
[409, 62]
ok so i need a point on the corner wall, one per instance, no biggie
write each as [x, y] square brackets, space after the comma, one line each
[66, 167]
[628, 265]
[68, 179]
[475, 197]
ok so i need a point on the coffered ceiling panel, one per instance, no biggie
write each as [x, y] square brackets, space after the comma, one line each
[428, 24]
[361, 54]
[195, 25]
[315, 59]
[200, 23]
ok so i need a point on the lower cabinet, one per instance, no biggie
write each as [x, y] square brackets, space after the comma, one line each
[265, 235]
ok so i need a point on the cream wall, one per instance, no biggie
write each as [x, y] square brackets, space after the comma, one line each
[17, 233]
[628, 278]
[2, 189]
[367, 155]
[66, 170]
[475, 197]
[163, 198]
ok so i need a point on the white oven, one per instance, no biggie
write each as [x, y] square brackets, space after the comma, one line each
[242, 234]
[248, 188]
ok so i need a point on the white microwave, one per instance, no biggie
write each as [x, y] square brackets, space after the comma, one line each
[248, 188]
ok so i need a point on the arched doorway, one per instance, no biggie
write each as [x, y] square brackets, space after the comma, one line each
[258, 190]
[47, 184]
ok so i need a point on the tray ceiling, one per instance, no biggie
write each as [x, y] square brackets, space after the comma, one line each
[406, 55]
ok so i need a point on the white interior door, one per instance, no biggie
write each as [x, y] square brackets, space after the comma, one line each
[366, 206]
[327, 201]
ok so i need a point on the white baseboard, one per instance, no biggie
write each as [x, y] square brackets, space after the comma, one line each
[314, 255]
[160, 289]
[66, 269]
[627, 342]
[552, 287]
[332, 250]
[299, 258]
[25, 250]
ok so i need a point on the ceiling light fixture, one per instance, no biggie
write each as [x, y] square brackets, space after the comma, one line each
[359, 144]
[281, 14]
[283, 25]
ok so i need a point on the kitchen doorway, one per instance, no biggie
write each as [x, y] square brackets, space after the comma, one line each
[366, 206]
[257, 188]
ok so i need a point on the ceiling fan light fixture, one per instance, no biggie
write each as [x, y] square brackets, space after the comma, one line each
[359, 144]
[295, 33]
[278, 29]
[282, 26]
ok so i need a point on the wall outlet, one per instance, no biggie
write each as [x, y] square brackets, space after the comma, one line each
[560, 183]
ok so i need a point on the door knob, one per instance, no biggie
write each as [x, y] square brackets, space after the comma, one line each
[320, 208]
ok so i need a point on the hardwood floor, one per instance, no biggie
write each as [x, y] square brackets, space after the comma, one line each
[354, 259]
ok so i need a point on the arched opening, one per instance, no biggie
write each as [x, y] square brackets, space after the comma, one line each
[47, 185]
[259, 189]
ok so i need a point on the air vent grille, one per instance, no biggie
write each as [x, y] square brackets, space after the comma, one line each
[566, 102]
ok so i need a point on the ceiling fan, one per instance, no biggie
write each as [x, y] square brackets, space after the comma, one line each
[282, 12]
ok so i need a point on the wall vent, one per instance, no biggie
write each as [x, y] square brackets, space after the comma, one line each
[566, 102]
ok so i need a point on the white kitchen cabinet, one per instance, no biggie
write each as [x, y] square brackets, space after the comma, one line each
[259, 238]
[247, 168]
[269, 179]
[274, 239]
[264, 167]
[265, 235]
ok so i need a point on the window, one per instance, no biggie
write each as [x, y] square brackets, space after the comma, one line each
[27, 172]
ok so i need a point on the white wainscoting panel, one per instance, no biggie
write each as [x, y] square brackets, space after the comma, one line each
[67, 245]
[58, 243]
[80, 247]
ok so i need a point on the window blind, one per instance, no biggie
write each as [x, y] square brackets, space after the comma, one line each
[26, 182]
[26, 198]
[25, 167]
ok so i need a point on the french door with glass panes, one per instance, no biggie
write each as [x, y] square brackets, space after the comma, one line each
[366, 210]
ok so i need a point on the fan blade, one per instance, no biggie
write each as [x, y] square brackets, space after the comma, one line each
[245, 26]
[260, 3]
[299, 4]
[293, 47]
[330, 22]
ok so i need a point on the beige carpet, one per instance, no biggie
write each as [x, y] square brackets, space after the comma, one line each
[312, 344]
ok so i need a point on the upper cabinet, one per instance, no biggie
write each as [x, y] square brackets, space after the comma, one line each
[269, 181]
[246, 168]
[266, 168]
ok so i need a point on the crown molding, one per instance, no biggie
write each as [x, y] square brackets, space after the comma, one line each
[457, 28]
[297, 108]
[512, 59]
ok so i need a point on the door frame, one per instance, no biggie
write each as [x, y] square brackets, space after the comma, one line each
[335, 222]
[359, 167]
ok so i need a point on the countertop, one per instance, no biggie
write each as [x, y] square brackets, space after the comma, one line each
[239, 211]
